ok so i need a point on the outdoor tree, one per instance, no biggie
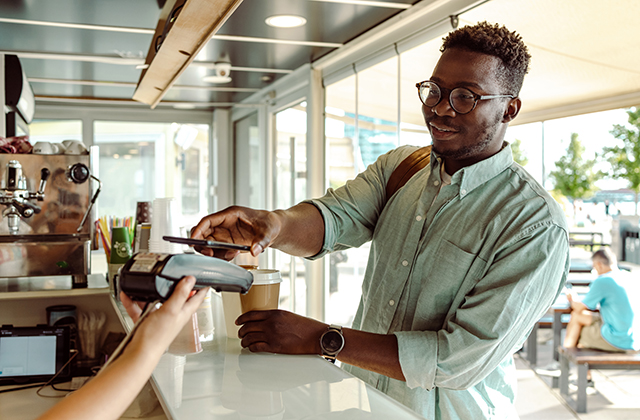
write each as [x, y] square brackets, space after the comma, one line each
[518, 154]
[574, 176]
[625, 159]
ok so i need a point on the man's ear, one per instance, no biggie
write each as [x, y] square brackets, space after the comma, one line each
[512, 110]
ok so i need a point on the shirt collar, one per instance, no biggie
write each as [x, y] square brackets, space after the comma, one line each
[477, 174]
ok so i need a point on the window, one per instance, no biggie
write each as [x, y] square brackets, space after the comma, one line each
[291, 188]
[55, 131]
[141, 161]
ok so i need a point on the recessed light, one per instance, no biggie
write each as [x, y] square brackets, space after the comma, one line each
[184, 105]
[285, 21]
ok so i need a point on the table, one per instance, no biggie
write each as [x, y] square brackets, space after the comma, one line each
[224, 381]
[556, 319]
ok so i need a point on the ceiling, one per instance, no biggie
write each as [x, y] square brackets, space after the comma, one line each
[583, 51]
[97, 58]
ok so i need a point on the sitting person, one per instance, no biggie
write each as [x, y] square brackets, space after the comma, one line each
[109, 394]
[616, 328]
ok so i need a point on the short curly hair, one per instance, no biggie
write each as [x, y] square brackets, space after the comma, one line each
[498, 41]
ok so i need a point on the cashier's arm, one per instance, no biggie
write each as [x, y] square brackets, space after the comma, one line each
[108, 395]
[288, 333]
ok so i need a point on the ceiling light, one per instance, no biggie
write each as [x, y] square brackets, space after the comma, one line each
[216, 79]
[285, 21]
[184, 105]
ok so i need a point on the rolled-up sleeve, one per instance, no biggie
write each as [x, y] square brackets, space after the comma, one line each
[350, 213]
[494, 316]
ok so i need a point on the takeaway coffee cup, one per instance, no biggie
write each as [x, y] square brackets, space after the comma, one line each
[264, 293]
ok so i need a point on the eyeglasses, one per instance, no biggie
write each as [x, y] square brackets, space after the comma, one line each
[462, 100]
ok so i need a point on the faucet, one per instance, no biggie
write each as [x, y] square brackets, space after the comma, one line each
[15, 196]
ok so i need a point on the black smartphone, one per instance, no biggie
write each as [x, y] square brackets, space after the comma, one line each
[205, 243]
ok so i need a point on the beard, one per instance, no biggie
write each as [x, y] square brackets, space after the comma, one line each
[486, 135]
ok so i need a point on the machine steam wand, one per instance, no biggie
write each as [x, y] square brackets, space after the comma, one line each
[16, 197]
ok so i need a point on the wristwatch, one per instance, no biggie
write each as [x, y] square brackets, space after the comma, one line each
[331, 342]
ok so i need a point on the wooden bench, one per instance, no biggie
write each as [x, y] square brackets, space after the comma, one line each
[587, 239]
[586, 359]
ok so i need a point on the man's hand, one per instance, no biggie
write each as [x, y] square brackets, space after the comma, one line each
[569, 298]
[278, 331]
[238, 225]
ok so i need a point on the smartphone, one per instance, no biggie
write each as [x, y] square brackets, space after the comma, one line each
[205, 243]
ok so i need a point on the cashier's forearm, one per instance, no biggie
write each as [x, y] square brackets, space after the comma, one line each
[108, 395]
[374, 352]
[301, 230]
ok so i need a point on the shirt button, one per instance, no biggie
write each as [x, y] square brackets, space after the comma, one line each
[392, 302]
[436, 183]
[463, 192]
[418, 218]
[405, 263]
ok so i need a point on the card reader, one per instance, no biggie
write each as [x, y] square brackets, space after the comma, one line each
[149, 277]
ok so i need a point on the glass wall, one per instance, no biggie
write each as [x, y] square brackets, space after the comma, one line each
[249, 163]
[291, 188]
[377, 111]
[142, 161]
[55, 131]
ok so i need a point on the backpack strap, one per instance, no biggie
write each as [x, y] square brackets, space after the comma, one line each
[407, 168]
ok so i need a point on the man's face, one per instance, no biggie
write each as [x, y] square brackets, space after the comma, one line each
[463, 140]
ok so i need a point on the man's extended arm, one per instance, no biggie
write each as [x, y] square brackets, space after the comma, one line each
[298, 231]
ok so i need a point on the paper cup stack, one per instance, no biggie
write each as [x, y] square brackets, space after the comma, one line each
[165, 222]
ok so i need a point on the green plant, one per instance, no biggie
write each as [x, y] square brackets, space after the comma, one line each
[625, 159]
[574, 176]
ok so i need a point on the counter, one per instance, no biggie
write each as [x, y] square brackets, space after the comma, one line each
[23, 302]
[227, 382]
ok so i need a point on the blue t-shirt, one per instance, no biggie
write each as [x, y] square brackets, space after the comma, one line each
[618, 295]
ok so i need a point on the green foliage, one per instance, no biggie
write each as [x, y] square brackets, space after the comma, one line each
[625, 159]
[574, 176]
[518, 154]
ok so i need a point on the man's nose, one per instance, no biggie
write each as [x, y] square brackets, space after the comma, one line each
[444, 108]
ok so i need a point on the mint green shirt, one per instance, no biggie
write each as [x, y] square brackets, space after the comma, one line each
[459, 273]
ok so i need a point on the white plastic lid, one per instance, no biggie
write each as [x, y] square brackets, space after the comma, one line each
[265, 276]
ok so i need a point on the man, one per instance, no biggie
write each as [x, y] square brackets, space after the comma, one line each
[465, 257]
[616, 328]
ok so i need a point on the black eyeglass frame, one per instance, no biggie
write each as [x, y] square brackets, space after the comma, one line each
[476, 97]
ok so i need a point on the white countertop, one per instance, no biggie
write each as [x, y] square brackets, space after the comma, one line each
[224, 381]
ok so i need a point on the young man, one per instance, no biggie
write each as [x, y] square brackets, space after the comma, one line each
[465, 257]
[617, 327]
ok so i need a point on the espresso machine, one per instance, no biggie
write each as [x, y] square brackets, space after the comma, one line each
[46, 220]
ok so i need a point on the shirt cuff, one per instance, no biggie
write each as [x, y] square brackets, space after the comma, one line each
[418, 354]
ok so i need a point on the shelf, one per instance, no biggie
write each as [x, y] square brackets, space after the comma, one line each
[196, 22]
[50, 287]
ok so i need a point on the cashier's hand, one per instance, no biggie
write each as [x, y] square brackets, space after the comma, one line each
[160, 327]
[178, 299]
[278, 331]
[238, 225]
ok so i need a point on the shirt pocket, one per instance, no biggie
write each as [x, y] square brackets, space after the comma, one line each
[452, 273]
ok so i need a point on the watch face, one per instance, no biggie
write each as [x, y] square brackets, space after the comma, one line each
[332, 342]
